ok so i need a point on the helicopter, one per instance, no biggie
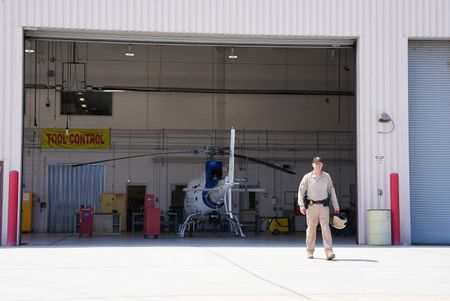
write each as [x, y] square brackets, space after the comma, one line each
[210, 192]
[206, 195]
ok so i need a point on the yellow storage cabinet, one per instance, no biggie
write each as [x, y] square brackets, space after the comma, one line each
[115, 201]
[27, 209]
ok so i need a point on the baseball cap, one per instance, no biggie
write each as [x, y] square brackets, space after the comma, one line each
[317, 159]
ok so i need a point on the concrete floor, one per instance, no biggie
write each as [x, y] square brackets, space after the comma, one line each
[262, 267]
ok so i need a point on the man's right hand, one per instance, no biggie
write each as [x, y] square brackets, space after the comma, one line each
[302, 210]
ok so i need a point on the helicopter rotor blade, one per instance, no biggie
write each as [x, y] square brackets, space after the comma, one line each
[137, 156]
[265, 163]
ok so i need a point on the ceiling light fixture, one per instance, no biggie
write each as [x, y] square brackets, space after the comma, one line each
[82, 99]
[232, 54]
[129, 52]
[28, 47]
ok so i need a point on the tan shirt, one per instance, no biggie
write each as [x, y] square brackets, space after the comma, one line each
[317, 188]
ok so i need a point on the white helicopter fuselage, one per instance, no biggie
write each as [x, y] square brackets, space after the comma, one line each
[203, 201]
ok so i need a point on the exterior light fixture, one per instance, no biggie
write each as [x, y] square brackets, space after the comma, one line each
[232, 54]
[129, 52]
[385, 118]
[28, 47]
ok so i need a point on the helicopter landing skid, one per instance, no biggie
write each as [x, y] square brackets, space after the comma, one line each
[189, 224]
[235, 224]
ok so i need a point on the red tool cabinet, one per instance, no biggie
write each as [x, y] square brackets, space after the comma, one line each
[86, 221]
[152, 219]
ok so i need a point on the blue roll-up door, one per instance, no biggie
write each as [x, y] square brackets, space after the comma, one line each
[429, 141]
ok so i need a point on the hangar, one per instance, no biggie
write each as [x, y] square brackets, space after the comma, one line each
[166, 81]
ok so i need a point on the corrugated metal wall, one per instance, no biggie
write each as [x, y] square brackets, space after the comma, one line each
[70, 188]
[382, 29]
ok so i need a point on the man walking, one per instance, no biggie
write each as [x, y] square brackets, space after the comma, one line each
[319, 190]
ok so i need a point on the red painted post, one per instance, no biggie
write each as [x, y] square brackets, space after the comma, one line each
[13, 202]
[395, 209]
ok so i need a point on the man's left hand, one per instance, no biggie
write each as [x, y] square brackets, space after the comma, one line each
[336, 211]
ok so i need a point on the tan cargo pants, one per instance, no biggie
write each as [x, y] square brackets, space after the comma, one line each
[314, 214]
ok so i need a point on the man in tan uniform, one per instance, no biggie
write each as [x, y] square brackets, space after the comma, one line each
[318, 187]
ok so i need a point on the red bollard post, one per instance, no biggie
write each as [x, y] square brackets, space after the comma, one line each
[395, 209]
[13, 202]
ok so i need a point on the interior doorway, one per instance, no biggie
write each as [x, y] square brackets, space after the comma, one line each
[135, 207]
[177, 200]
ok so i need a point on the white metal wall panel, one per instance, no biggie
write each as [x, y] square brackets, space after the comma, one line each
[429, 141]
[320, 18]
[427, 19]
[11, 61]
[381, 27]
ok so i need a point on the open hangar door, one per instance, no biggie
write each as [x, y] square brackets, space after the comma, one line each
[287, 104]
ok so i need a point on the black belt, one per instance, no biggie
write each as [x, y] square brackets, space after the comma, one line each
[315, 202]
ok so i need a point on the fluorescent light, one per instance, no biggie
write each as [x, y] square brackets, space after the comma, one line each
[107, 90]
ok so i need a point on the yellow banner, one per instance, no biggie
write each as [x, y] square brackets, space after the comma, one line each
[76, 138]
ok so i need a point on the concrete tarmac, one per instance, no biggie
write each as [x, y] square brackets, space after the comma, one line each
[67, 267]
